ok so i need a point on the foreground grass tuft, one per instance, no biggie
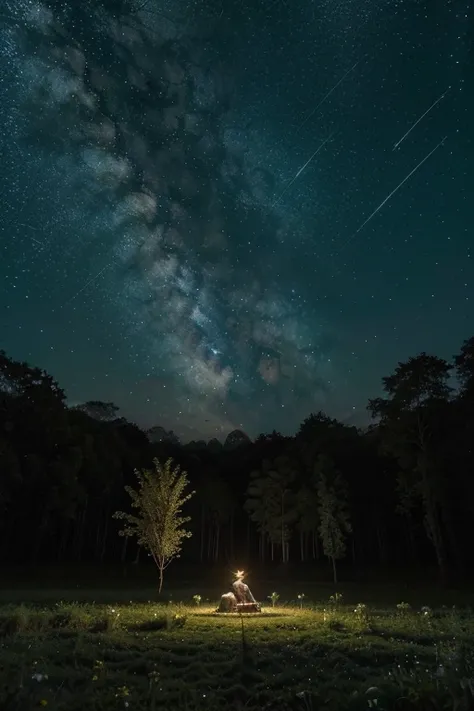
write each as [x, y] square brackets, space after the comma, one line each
[299, 657]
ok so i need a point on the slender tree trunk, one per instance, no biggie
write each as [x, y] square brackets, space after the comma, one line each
[283, 526]
[160, 587]
[98, 538]
[63, 541]
[210, 530]
[123, 555]
[334, 571]
[432, 520]
[38, 541]
[302, 542]
[430, 505]
[105, 535]
[282, 533]
[248, 539]
[436, 537]
[408, 528]
[381, 545]
[216, 544]
[452, 539]
[232, 536]
[203, 532]
[79, 542]
[316, 548]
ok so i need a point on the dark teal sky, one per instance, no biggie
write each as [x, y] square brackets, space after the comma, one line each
[158, 247]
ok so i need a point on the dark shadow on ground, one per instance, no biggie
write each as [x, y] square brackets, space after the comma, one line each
[244, 615]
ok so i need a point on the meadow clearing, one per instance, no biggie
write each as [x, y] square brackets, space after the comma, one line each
[316, 651]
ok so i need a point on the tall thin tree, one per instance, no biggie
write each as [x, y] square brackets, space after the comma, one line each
[158, 524]
[333, 511]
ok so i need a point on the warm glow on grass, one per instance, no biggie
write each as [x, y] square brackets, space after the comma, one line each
[84, 655]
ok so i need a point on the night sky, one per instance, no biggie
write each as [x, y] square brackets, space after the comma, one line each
[164, 241]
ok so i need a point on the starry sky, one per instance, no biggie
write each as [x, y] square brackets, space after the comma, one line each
[230, 215]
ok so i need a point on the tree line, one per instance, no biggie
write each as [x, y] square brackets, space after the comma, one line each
[398, 491]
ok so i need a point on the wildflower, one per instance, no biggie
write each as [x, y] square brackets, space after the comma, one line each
[336, 599]
[373, 701]
[274, 597]
[43, 702]
[403, 608]
[39, 677]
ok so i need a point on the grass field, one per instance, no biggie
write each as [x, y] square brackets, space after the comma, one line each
[326, 654]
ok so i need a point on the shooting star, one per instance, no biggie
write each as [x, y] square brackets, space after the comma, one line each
[301, 170]
[328, 95]
[88, 283]
[397, 145]
[441, 143]
[33, 239]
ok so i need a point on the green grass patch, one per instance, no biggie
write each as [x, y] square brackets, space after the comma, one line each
[291, 657]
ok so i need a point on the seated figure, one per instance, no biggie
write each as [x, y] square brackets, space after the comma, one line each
[242, 591]
[228, 603]
[241, 599]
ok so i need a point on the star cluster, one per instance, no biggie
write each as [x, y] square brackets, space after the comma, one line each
[190, 194]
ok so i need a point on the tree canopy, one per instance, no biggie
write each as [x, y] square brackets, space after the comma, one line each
[158, 522]
[398, 490]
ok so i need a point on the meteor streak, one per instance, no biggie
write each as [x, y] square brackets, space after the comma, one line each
[328, 95]
[396, 145]
[393, 193]
[301, 170]
[84, 287]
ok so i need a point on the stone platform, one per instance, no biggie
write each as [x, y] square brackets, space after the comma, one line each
[248, 607]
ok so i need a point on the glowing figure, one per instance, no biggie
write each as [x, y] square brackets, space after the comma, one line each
[241, 599]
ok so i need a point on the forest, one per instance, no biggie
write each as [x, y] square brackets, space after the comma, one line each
[399, 492]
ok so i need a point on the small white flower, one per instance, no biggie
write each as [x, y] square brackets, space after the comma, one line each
[40, 677]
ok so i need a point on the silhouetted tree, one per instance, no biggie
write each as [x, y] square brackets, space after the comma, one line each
[158, 525]
[333, 511]
[271, 503]
[411, 420]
